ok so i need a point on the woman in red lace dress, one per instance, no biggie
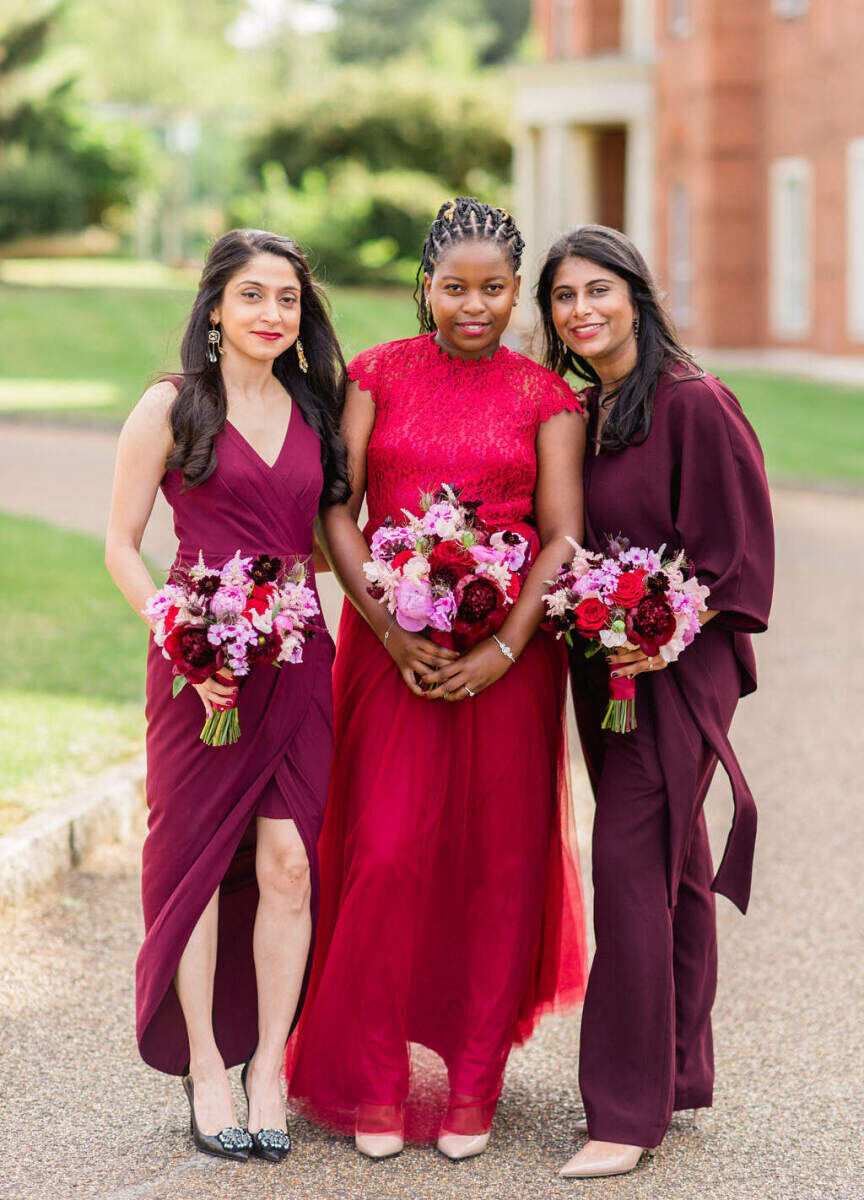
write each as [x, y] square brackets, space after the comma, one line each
[451, 910]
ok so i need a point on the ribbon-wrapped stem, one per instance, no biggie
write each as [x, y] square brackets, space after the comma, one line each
[621, 711]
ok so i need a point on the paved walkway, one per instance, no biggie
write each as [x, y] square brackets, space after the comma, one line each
[84, 1118]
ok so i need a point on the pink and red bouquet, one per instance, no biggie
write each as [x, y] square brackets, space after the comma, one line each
[445, 573]
[629, 597]
[252, 611]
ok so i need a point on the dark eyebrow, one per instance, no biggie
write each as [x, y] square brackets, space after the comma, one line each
[289, 287]
[590, 283]
[488, 279]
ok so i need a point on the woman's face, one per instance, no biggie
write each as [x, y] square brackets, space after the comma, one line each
[471, 293]
[260, 308]
[592, 311]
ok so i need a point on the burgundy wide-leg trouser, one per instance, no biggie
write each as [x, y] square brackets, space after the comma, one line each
[646, 1046]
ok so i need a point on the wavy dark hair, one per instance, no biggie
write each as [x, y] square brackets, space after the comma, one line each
[199, 411]
[461, 220]
[658, 346]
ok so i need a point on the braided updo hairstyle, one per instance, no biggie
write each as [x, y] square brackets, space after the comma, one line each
[461, 220]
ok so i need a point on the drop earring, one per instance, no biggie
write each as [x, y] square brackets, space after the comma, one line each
[214, 343]
[636, 326]
[301, 357]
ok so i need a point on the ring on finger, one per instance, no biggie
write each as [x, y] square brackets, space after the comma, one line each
[468, 690]
[650, 664]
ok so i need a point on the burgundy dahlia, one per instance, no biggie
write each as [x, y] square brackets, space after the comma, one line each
[479, 599]
[650, 624]
[266, 569]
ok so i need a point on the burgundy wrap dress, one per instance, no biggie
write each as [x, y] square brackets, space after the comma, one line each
[203, 800]
[698, 483]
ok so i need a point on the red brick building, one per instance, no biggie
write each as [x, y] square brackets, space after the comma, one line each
[727, 138]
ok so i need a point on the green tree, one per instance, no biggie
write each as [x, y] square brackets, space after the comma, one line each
[57, 171]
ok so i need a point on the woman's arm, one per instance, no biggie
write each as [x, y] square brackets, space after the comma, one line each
[141, 453]
[144, 444]
[347, 550]
[559, 515]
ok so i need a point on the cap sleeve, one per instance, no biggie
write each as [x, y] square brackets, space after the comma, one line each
[556, 396]
[367, 369]
[723, 515]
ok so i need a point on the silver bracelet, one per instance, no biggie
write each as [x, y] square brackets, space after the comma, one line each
[387, 634]
[504, 648]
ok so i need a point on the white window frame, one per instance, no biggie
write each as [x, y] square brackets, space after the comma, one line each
[680, 253]
[790, 9]
[855, 239]
[679, 18]
[562, 13]
[791, 249]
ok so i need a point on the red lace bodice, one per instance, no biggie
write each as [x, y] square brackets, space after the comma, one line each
[469, 422]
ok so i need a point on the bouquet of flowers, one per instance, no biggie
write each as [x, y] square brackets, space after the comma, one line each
[249, 612]
[444, 572]
[628, 597]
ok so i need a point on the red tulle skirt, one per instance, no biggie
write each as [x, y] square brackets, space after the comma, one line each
[451, 908]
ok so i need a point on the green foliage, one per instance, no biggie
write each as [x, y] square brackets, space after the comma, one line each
[372, 31]
[356, 226]
[57, 170]
[451, 129]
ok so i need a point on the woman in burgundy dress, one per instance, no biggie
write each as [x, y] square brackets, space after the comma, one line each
[245, 448]
[451, 912]
[672, 460]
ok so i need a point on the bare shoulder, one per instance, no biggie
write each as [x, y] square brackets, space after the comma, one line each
[149, 421]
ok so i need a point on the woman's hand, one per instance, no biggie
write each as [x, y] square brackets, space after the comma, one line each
[626, 663]
[217, 693]
[415, 655]
[473, 672]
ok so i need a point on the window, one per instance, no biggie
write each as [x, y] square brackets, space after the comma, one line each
[679, 18]
[790, 247]
[790, 8]
[680, 255]
[855, 236]
[561, 19]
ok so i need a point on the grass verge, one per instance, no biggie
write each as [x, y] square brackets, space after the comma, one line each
[71, 697]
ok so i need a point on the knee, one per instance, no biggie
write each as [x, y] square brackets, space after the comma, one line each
[285, 874]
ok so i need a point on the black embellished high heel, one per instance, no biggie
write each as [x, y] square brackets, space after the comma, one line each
[230, 1143]
[270, 1144]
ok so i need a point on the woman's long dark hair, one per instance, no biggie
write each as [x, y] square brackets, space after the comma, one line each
[199, 411]
[658, 347]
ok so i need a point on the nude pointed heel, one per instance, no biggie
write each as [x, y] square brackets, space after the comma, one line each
[617, 1162]
[457, 1146]
[379, 1145]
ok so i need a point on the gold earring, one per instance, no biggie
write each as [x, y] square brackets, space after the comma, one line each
[214, 343]
[301, 357]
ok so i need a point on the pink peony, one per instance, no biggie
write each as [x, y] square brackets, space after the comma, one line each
[413, 604]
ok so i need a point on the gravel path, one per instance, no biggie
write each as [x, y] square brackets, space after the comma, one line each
[86, 1119]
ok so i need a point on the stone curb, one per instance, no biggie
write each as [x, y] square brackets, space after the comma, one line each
[107, 809]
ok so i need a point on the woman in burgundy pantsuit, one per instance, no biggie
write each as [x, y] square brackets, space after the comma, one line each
[244, 447]
[674, 461]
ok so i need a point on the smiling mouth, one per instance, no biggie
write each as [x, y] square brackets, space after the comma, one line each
[586, 331]
[268, 337]
[474, 327]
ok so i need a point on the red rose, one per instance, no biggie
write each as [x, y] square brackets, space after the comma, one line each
[449, 562]
[630, 588]
[191, 653]
[261, 598]
[401, 559]
[482, 609]
[591, 616]
[650, 624]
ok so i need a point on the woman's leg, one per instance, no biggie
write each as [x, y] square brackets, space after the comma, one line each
[193, 981]
[694, 935]
[283, 928]
[627, 1049]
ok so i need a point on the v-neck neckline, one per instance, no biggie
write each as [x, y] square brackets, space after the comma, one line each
[260, 457]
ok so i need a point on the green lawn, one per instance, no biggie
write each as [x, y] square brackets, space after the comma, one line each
[87, 344]
[71, 696]
[808, 430]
